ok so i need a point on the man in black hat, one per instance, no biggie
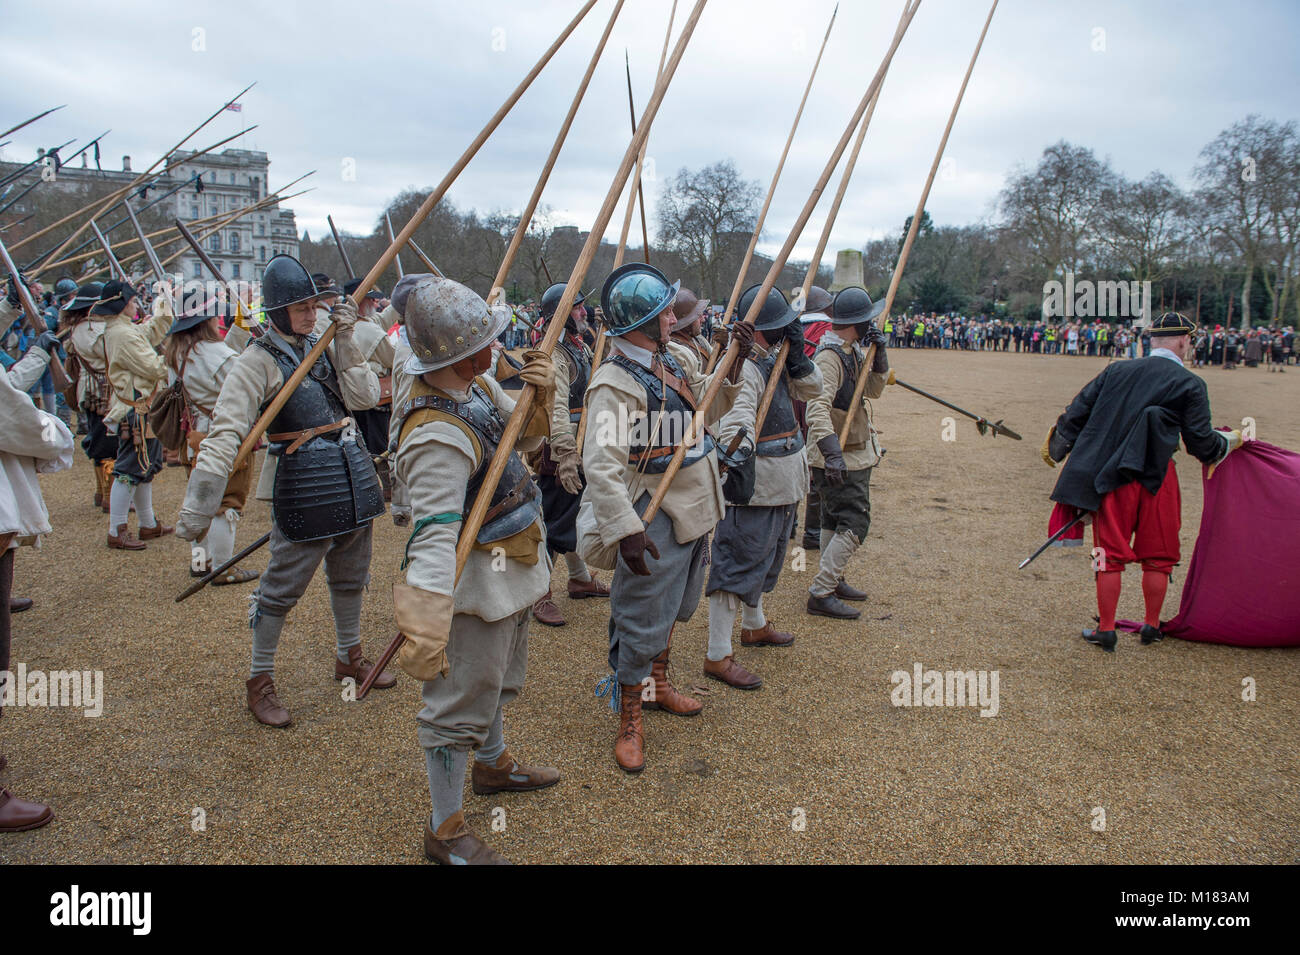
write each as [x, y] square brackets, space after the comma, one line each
[323, 488]
[749, 542]
[94, 394]
[843, 474]
[1120, 433]
[559, 472]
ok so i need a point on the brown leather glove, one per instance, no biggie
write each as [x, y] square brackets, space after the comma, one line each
[742, 333]
[833, 457]
[719, 337]
[566, 472]
[632, 549]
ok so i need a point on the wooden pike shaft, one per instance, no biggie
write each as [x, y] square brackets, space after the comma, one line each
[769, 392]
[33, 317]
[498, 291]
[771, 191]
[860, 386]
[729, 356]
[523, 404]
[408, 230]
[138, 179]
[631, 110]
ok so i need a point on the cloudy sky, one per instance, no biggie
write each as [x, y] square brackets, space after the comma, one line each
[399, 89]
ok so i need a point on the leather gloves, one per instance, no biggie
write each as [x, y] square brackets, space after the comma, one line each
[1045, 449]
[344, 315]
[880, 359]
[829, 446]
[633, 549]
[797, 362]
[566, 472]
[538, 371]
[202, 501]
[742, 333]
[48, 342]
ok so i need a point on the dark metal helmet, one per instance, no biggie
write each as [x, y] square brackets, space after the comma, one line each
[64, 286]
[853, 305]
[633, 295]
[285, 282]
[818, 302]
[775, 313]
[551, 298]
[87, 295]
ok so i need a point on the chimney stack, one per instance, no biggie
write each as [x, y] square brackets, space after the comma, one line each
[126, 163]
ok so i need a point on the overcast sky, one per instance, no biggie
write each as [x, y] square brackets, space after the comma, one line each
[401, 88]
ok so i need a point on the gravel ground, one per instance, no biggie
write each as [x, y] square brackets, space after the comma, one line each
[818, 766]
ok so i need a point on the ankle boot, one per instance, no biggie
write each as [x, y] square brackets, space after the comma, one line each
[358, 667]
[666, 697]
[456, 844]
[158, 530]
[18, 815]
[629, 744]
[264, 703]
[123, 539]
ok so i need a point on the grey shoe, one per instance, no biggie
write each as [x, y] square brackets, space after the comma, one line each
[831, 606]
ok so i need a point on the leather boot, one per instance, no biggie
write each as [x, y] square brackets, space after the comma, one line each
[18, 815]
[831, 606]
[158, 530]
[546, 612]
[728, 671]
[263, 702]
[123, 539]
[765, 636]
[846, 592]
[455, 844]
[507, 776]
[666, 697]
[582, 589]
[358, 667]
[629, 744]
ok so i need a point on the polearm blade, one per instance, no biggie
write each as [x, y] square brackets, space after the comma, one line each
[212, 575]
[39, 159]
[194, 245]
[997, 427]
[114, 264]
[343, 253]
[392, 237]
[14, 129]
[1052, 540]
[149, 252]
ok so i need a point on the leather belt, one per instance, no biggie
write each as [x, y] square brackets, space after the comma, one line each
[299, 438]
[511, 500]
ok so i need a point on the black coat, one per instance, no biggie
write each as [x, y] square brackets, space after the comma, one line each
[1124, 426]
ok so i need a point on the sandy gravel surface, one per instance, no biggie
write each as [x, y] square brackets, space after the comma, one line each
[818, 766]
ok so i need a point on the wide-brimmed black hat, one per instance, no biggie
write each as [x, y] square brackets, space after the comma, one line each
[325, 285]
[114, 297]
[87, 295]
[1172, 323]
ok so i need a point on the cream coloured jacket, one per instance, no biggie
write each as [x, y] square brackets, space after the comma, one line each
[135, 368]
[862, 450]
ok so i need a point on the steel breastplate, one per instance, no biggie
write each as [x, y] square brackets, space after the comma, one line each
[781, 435]
[328, 485]
[665, 422]
[516, 501]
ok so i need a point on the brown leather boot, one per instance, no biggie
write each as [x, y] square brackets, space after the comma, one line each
[358, 667]
[765, 636]
[18, 815]
[728, 671]
[582, 589]
[455, 844]
[507, 776]
[263, 702]
[158, 530]
[546, 612]
[666, 697]
[629, 744]
[123, 539]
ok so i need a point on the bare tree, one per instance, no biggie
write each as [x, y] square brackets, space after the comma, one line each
[1144, 228]
[707, 217]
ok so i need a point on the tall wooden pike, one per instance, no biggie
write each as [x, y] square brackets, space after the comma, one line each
[408, 230]
[697, 420]
[498, 291]
[32, 315]
[523, 404]
[861, 384]
[771, 190]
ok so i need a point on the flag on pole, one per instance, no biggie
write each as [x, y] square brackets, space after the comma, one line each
[234, 107]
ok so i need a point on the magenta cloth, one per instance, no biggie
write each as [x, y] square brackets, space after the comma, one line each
[1243, 584]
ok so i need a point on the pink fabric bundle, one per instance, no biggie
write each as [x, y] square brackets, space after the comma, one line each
[1243, 584]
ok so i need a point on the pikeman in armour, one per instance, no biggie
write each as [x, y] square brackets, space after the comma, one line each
[559, 470]
[467, 639]
[749, 543]
[640, 401]
[843, 474]
[323, 489]
[815, 320]
[688, 311]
